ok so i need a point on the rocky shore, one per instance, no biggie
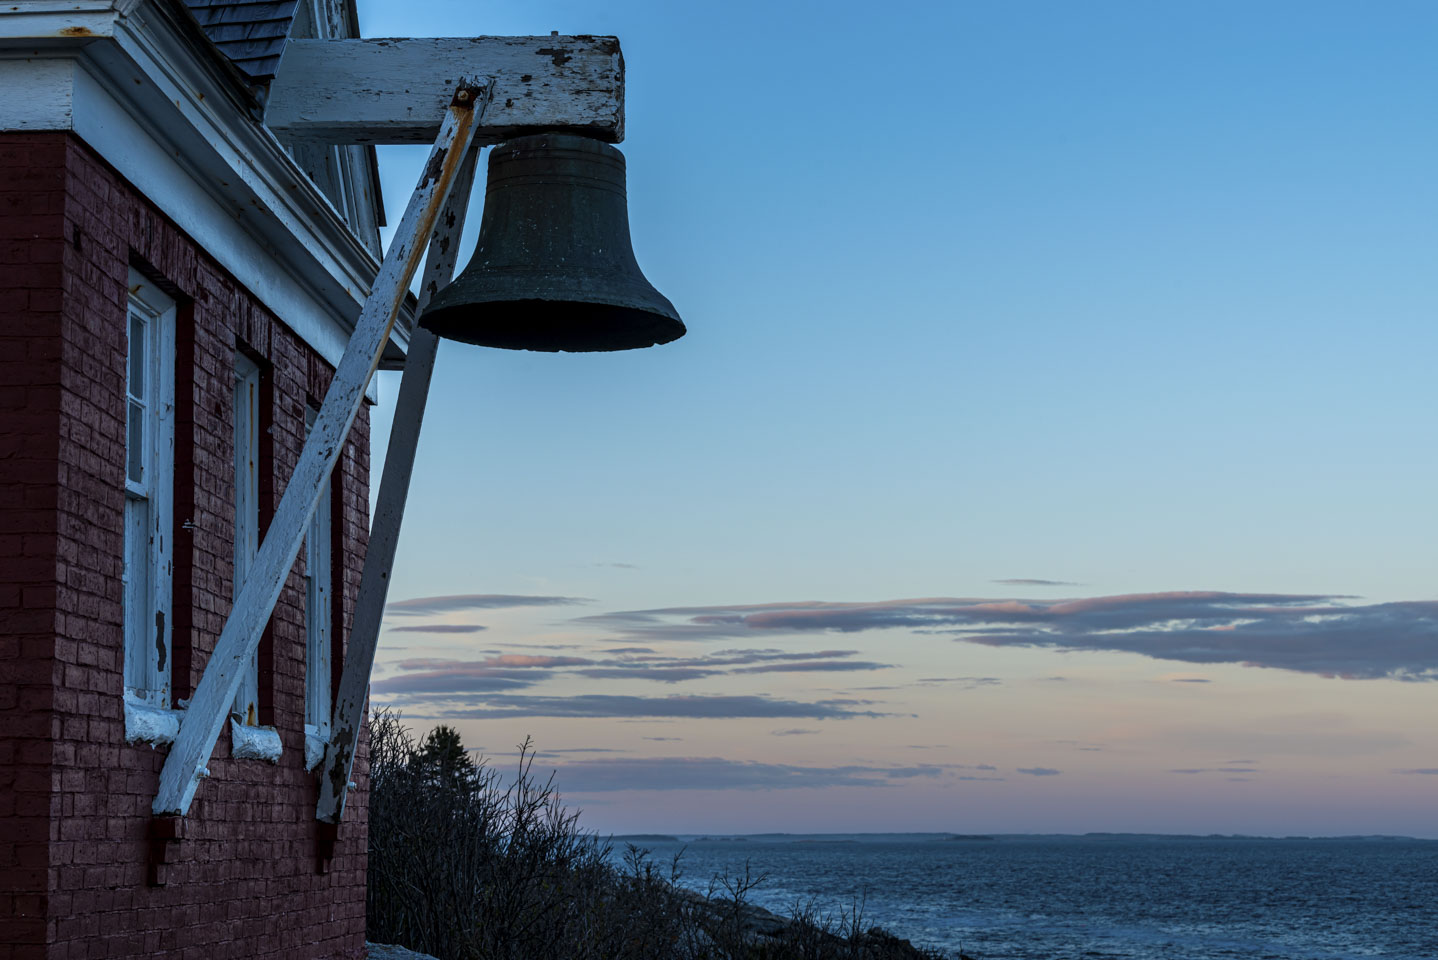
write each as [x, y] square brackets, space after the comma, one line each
[763, 929]
[388, 951]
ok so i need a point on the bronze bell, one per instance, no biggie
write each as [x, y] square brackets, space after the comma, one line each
[554, 269]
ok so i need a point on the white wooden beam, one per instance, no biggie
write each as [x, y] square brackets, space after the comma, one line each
[348, 715]
[394, 91]
[190, 753]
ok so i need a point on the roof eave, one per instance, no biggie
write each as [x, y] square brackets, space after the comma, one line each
[171, 87]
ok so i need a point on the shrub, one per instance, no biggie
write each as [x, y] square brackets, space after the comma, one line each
[467, 867]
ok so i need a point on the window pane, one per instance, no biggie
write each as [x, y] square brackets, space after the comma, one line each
[137, 355]
[247, 515]
[135, 443]
[139, 615]
[317, 610]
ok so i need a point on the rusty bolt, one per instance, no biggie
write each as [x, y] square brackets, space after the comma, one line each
[462, 96]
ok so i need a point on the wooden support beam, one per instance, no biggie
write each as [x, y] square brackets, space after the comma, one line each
[389, 512]
[189, 755]
[395, 91]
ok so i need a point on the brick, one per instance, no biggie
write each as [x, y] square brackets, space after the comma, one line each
[76, 793]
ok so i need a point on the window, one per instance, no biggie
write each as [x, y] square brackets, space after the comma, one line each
[149, 468]
[247, 511]
[318, 585]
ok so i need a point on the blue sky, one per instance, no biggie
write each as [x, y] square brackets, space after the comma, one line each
[1132, 298]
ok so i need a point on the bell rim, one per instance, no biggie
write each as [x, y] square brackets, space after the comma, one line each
[629, 326]
[498, 288]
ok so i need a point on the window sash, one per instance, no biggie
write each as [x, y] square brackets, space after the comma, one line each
[319, 583]
[247, 511]
[149, 468]
[141, 666]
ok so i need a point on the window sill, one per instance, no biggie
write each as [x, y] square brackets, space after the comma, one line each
[315, 744]
[254, 743]
[149, 724]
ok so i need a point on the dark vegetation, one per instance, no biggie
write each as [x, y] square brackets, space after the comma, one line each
[466, 866]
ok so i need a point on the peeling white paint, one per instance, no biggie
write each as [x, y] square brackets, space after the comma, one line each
[254, 743]
[388, 90]
[152, 725]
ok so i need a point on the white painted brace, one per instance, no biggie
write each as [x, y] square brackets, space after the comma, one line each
[184, 767]
[389, 511]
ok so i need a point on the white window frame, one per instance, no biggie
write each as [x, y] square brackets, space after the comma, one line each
[148, 561]
[319, 628]
[247, 512]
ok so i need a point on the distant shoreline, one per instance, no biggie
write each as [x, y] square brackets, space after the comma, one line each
[1093, 837]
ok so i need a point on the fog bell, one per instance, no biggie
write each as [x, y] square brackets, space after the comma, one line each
[554, 269]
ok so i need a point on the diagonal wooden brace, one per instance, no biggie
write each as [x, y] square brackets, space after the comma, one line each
[185, 766]
[389, 514]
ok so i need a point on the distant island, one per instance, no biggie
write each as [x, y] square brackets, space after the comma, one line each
[1000, 838]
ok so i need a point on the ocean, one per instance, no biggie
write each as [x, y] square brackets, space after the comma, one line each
[1100, 896]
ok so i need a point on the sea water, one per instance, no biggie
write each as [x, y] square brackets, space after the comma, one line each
[1100, 897]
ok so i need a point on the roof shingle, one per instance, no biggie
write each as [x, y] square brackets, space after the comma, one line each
[251, 33]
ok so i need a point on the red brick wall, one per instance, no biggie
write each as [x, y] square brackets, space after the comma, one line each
[32, 203]
[73, 869]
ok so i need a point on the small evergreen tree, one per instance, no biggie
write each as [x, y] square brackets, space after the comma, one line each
[443, 757]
